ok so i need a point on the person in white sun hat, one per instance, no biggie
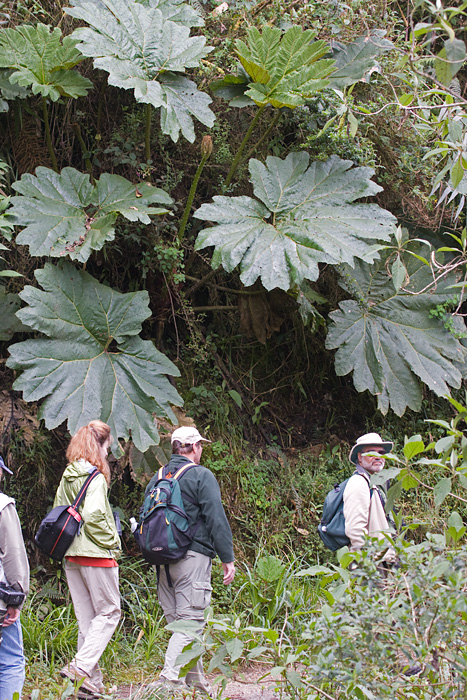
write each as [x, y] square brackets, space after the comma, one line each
[364, 504]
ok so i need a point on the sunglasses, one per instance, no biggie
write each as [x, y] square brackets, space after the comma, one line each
[371, 453]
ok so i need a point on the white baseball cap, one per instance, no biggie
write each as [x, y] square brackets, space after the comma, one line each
[187, 436]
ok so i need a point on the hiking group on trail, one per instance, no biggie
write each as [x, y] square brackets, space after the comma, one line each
[182, 527]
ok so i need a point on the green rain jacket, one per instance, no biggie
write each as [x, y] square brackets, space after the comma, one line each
[98, 535]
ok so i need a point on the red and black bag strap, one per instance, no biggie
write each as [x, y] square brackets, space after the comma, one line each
[82, 492]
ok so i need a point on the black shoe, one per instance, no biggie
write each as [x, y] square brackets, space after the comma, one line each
[413, 670]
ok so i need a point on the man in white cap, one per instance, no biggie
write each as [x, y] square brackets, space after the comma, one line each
[14, 584]
[190, 592]
[364, 504]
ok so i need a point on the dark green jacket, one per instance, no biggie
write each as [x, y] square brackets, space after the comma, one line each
[202, 500]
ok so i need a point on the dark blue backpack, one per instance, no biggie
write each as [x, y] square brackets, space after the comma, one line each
[332, 526]
[164, 533]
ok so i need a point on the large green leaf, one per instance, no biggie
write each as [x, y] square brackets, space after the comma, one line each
[92, 364]
[356, 60]
[233, 88]
[42, 60]
[9, 323]
[450, 60]
[303, 215]
[8, 91]
[177, 11]
[390, 341]
[143, 51]
[284, 67]
[64, 214]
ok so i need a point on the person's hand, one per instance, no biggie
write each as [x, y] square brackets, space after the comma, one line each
[12, 614]
[229, 572]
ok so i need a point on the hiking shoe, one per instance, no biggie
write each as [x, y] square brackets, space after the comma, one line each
[203, 687]
[413, 670]
[163, 688]
[87, 688]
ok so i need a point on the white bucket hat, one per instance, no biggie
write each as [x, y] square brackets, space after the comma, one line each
[369, 440]
[187, 435]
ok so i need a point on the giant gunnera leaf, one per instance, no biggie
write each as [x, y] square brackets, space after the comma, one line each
[285, 68]
[178, 11]
[143, 51]
[389, 339]
[64, 214]
[356, 60]
[303, 215]
[287, 71]
[43, 61]
[93, 364]
[9, 323]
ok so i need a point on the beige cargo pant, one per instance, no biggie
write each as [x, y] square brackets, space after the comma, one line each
[187, 600]
[96, 600]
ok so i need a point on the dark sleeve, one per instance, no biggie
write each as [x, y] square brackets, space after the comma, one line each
[213, 514]
[12, 550]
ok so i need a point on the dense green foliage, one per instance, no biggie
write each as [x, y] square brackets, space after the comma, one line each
[304, 229]
[258, 215]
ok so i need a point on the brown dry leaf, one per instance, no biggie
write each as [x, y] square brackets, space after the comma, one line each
[302, 531]
[257, 317]
[16, 414]
[182, 420]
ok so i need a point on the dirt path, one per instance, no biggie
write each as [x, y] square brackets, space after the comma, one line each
[248, 684]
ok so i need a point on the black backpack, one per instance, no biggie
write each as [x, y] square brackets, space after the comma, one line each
[59, 527]
[164, 533]
[332, 526]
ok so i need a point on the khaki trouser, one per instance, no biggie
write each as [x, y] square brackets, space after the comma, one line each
[96, 600]
[186, 600]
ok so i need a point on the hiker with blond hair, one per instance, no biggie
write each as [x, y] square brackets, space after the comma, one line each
[91, 561]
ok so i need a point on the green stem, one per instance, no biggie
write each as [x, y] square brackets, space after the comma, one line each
[189, 202]
[147, 133]
[200, 309]
[48, 137]
[87, 160]
[243, 292]
[264, 136]
[100, 106]
[243, 144]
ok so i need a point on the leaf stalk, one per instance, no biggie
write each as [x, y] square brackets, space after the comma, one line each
[87, 160]
[206, 150]
[147, 133]
[263, 138]
[246, 138]
[48, 137]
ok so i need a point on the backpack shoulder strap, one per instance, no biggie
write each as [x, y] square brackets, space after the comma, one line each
[82, 492]
[372, 488]
[183, 469]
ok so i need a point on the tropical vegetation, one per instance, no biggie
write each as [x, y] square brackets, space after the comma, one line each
[251, 216]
